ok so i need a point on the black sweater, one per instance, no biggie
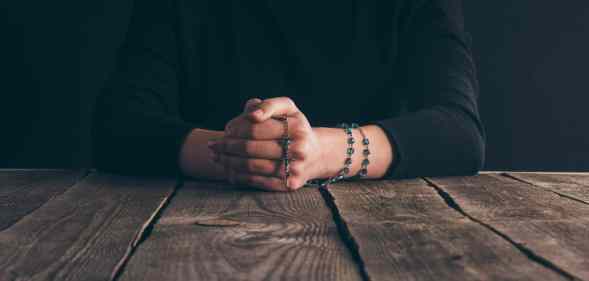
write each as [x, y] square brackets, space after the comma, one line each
[404, 65]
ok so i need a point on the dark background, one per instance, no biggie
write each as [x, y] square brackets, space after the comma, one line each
[532, 58]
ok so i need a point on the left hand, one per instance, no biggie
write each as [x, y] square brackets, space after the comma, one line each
[251, 152]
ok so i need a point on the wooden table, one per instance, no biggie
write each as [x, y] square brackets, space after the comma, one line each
[86, 225]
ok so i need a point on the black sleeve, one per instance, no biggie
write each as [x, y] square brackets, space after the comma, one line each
[137, 128]
[441, 134]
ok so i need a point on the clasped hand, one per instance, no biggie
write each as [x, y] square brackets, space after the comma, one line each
[251, 153]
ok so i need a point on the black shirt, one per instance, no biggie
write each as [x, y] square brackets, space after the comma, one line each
[405, 65]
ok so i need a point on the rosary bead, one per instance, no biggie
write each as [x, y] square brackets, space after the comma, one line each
[348, 161]
[350, 150]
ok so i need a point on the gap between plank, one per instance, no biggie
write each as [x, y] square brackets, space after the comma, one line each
[529, 253]
[144, 232]
[344, 232]
[507, 175]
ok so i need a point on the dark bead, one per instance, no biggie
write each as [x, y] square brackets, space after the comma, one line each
[348, 161]
[366, 152]
[365, 162]
[349, 131]
[346, 170]
[350, 150]
[363, 172]
[365, 141]
[351, 141]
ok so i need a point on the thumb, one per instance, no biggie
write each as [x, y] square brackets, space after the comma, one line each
[251, 104]
[274, 107]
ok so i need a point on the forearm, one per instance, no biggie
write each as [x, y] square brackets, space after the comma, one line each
[195, 159]
[334, 142]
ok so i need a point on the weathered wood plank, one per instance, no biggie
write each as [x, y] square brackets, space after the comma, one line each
[552, 229]
[403, 230]
[212, 231]
[85, 233]
[21, 192]
[573, 186]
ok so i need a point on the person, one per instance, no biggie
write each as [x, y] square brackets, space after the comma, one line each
[253, 92]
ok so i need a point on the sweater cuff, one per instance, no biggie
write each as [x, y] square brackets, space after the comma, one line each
[178, 134]
[396, 168]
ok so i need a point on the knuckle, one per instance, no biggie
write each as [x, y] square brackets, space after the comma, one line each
[299, 132]
[255, 132]
[288, 100]
[251, 165]
[228, 126]
[246, 132]
[231, 126]
[296, 169]
[249, 147]
[294, 183]
[299, 128]
[299, 150]
[275, 186]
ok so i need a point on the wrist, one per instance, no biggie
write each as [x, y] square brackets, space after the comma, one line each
[333, 143]
[194, 159]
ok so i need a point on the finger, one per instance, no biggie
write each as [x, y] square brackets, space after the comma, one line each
[262, 182]
[238, 171]
[263, 167]
[274, 107]
[245, 129]
[251, 104]
[263, 149]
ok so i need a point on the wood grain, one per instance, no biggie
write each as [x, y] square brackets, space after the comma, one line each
[212, 231]
[83, 234]
[23, 191]
[552, 228]
[403, 230]
[573, 186]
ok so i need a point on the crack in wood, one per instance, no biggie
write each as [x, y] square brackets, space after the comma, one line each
[214, 222]
[561, 194]
[143, 233]
[344, 232]
[529, 253]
